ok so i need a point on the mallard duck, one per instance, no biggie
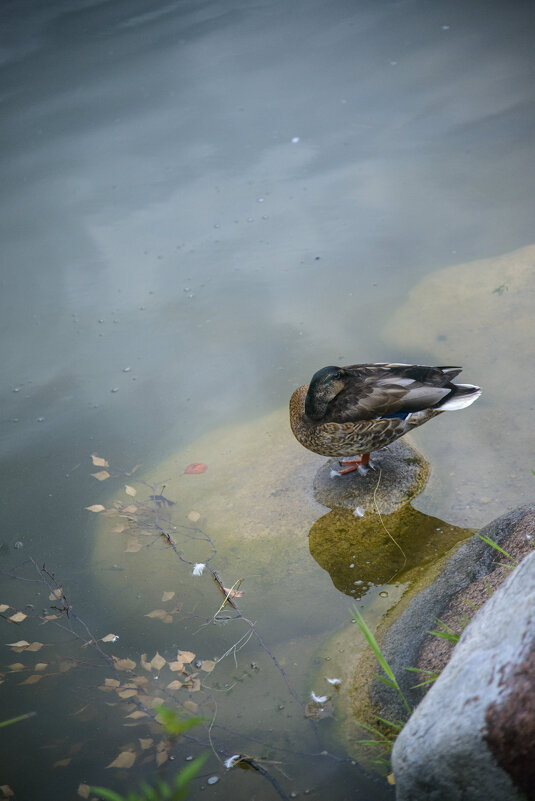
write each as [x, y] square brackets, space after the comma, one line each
[354, 410]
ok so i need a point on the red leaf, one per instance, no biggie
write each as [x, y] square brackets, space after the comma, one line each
[196, 467]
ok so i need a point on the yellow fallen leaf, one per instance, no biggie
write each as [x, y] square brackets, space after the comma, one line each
[140, 681]
[112, 682]
[110, 638]
[20, 645]
[194, 516]
[124, 664]
[124, 694]
[35, 646]
[160, 614]
[193, 685]
[55, 595]
[174, 685]
[145, 743]
[118, 529]
[208, 665]
[18, 617]
[96, 507]
[191, 706]
[62, 763]
[102, 475]
[33, 679]
[137, 714]
[144, 664]
[167, 596]
[41, 666]
[6, 791]
[390, 778]
[130, 490]
[133, 547]
[185, 656]
[130, 509]
[16, 666]
[174, 666]
[158, 661]
[98, 461]
[125, 760]
[3, 608]
[161, 757]
[84, 790]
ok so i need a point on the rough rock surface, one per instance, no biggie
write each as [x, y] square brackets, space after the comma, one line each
[407, 637]
[400, 473]
[473, 736]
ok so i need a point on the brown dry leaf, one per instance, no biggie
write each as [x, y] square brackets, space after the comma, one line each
[160, 614]
[144, 664]
[33, 679]
[130, 509]
[390, 778]
[158, 661]
[130, 490]
[133, 547]
[102, 475]
[98, 461]
[124, 694]
[118, 529]
[124, 664]
[84, 790]
[35, 646]
[185, 656]
[194, 516]
[62, 763]
[19, 646]
[174, 685]
[208, 665]
[55, 595]
[156, 701]
[191, 706]
[174, 666]
[125, 760]
[112, 682]
[18, 617]
[6, 791]
[66, 665]
[40, 666]
[140, 681]
[193, 685]
[16, 666]
[145, 743]
[49, 617]
[161, 757]
[137, 714]
[167, 596]
[4, 607]
[96, 507]
[110, 638]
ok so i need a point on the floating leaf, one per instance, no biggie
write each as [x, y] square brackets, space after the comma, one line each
[167, 596]
[16, 667]
[390, 778]
[193, 685]
[102, 475]
[174, 685]
[112, 682]
[6, 790]
[160, 614]
[130, 490]
[84, 790]
[41, 666]
[208, 665]
[110, 638]
[185, 656]
[125, 760]
[98, 461]
[161, 757]
[124, 694]
[18, 646]
[145, 742]
[133, 547]
[18, 617]
[124, 664]
[174, 666]
[97, 507]
[119, 528]
[4, 608]
[55, 595]
[144, 664]
[158, 661]
[191, 706]
[33, 679]
[195, 468]
[62, 763]
[194, 516]
[130, 509]
[35, 646]
[137, 714]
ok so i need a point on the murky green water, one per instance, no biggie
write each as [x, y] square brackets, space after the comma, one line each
[202, 203]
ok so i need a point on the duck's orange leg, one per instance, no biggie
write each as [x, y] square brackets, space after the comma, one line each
[354, 464]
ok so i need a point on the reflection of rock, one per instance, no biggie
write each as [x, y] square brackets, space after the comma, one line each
[479, 315]
[400, 473]
[358, 553]
[473, 734]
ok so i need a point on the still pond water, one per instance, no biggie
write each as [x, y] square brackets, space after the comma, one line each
[202, 203]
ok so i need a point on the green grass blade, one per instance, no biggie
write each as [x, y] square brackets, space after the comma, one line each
[106, 795]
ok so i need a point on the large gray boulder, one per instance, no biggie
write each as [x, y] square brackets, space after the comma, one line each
[472, 738]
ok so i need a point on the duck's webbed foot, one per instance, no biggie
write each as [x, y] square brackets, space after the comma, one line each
[360, 463]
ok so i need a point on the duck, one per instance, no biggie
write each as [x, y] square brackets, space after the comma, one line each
[349, 412]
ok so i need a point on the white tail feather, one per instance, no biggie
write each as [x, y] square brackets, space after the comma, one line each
[461, 401]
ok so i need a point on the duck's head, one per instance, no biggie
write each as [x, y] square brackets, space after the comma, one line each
[325, 385]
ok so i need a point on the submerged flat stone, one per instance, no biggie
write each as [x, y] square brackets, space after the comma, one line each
[400, 473]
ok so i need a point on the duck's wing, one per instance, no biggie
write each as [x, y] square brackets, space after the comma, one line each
[383, 390]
